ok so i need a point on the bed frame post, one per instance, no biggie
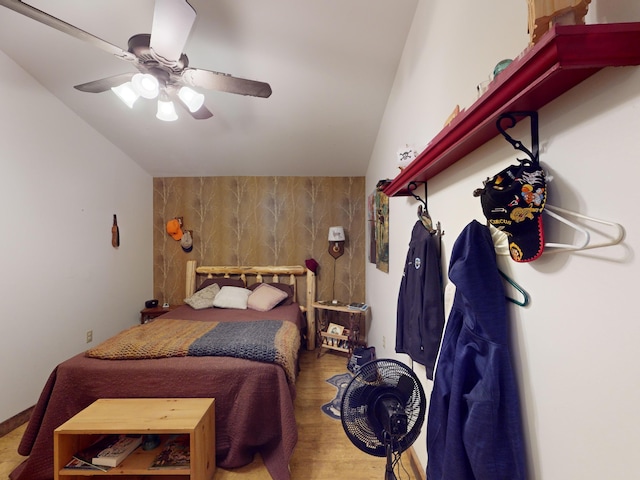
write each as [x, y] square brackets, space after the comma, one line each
[190, 287]
[311, 312]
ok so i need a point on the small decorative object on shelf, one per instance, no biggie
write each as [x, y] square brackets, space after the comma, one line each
[335, 329]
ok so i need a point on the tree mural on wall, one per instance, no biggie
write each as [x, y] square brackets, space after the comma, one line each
[258, 221]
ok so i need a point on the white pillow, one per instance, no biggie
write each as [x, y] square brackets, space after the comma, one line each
[265, 297]
[232, 297]
[203, 298]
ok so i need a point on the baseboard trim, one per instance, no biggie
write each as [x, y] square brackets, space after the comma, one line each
[14, 422]
[416, 467]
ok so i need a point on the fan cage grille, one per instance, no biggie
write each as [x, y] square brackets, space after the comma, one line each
[376, 378]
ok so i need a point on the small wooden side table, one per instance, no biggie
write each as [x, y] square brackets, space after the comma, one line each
[356, 326]
[148, 314]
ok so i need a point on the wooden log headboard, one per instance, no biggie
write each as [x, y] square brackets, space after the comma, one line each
[255, 274]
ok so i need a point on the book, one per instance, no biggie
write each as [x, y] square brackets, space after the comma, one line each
[174, 454]
[108, 451]
[77, 464]
[86, 454]
[114, 454]
[358, 306]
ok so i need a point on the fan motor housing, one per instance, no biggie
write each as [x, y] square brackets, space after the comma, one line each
[392, 416]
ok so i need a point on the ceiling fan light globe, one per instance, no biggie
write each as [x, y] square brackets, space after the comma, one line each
[192, 99]
[126, 93]
[166, 111]
[145, 85]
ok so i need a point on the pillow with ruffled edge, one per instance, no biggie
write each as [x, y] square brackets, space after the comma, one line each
[203, 298]
[232, 297]
[265, 297]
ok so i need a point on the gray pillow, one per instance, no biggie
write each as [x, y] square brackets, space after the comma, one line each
[203, 298]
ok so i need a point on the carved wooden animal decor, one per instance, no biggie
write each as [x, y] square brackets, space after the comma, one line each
[545, 13]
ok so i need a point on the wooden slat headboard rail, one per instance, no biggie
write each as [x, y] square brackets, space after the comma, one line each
[259, 272]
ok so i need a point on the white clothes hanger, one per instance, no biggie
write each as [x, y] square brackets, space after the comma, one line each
[501, 242]
[614, 237]
[499, 238]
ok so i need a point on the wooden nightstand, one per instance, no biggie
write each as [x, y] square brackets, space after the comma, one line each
[356, 325]
[147, 314]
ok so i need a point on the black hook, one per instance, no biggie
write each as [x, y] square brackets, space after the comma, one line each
[423, 213]
[534, 153]
[411, 187]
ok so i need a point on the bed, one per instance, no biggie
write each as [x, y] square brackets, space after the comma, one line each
[254, 398]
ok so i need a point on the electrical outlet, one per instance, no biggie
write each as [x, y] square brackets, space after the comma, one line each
[89, 336]
[384, 342]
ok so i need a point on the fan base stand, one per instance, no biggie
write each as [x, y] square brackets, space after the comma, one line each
[388, 474]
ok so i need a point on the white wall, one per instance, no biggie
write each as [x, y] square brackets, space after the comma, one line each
[60, 276]
[575, 346]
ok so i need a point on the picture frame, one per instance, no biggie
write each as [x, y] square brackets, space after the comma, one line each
[335, 329]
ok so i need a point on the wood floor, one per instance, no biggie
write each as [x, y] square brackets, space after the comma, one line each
[323, 451]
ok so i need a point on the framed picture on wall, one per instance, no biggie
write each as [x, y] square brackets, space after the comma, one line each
[371, 218]
[382, 231]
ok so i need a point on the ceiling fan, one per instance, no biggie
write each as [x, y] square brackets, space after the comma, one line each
[164, 71]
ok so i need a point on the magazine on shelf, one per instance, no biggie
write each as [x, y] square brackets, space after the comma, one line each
[358, 306]
[108, 451]
[174, 454]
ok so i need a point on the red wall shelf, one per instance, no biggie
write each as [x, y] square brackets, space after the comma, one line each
[565, 56]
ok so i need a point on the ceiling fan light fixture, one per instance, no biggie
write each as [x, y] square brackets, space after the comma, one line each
[145, 85]
[126, 93]
[166, 111]
[192, 99]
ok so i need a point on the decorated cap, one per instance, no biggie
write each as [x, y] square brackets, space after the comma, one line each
[513, 201]
[311, 264]
[186, 242]
[173, 229]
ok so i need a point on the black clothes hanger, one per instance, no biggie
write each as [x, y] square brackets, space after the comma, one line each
[512, 118]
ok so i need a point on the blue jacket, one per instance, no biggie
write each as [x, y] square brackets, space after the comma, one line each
[420, 314]
[474, 426]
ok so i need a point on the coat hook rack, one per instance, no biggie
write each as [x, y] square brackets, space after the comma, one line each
[423, 213]
[512, 118]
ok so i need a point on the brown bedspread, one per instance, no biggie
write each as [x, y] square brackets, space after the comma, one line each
[254, 402]
[272, 341]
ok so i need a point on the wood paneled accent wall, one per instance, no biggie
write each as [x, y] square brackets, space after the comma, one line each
[260, 221]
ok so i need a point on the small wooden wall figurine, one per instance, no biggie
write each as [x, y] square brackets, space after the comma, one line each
[543, 14]
[115, 233]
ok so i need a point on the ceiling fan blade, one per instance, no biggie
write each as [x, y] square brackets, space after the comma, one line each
[46, 19]
[201, 114]
[104, 84]
[223, 82]
[172, 22]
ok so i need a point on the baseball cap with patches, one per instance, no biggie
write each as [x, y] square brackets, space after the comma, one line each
[513, 201]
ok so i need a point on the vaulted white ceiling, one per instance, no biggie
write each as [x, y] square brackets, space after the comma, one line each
[330, 64]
